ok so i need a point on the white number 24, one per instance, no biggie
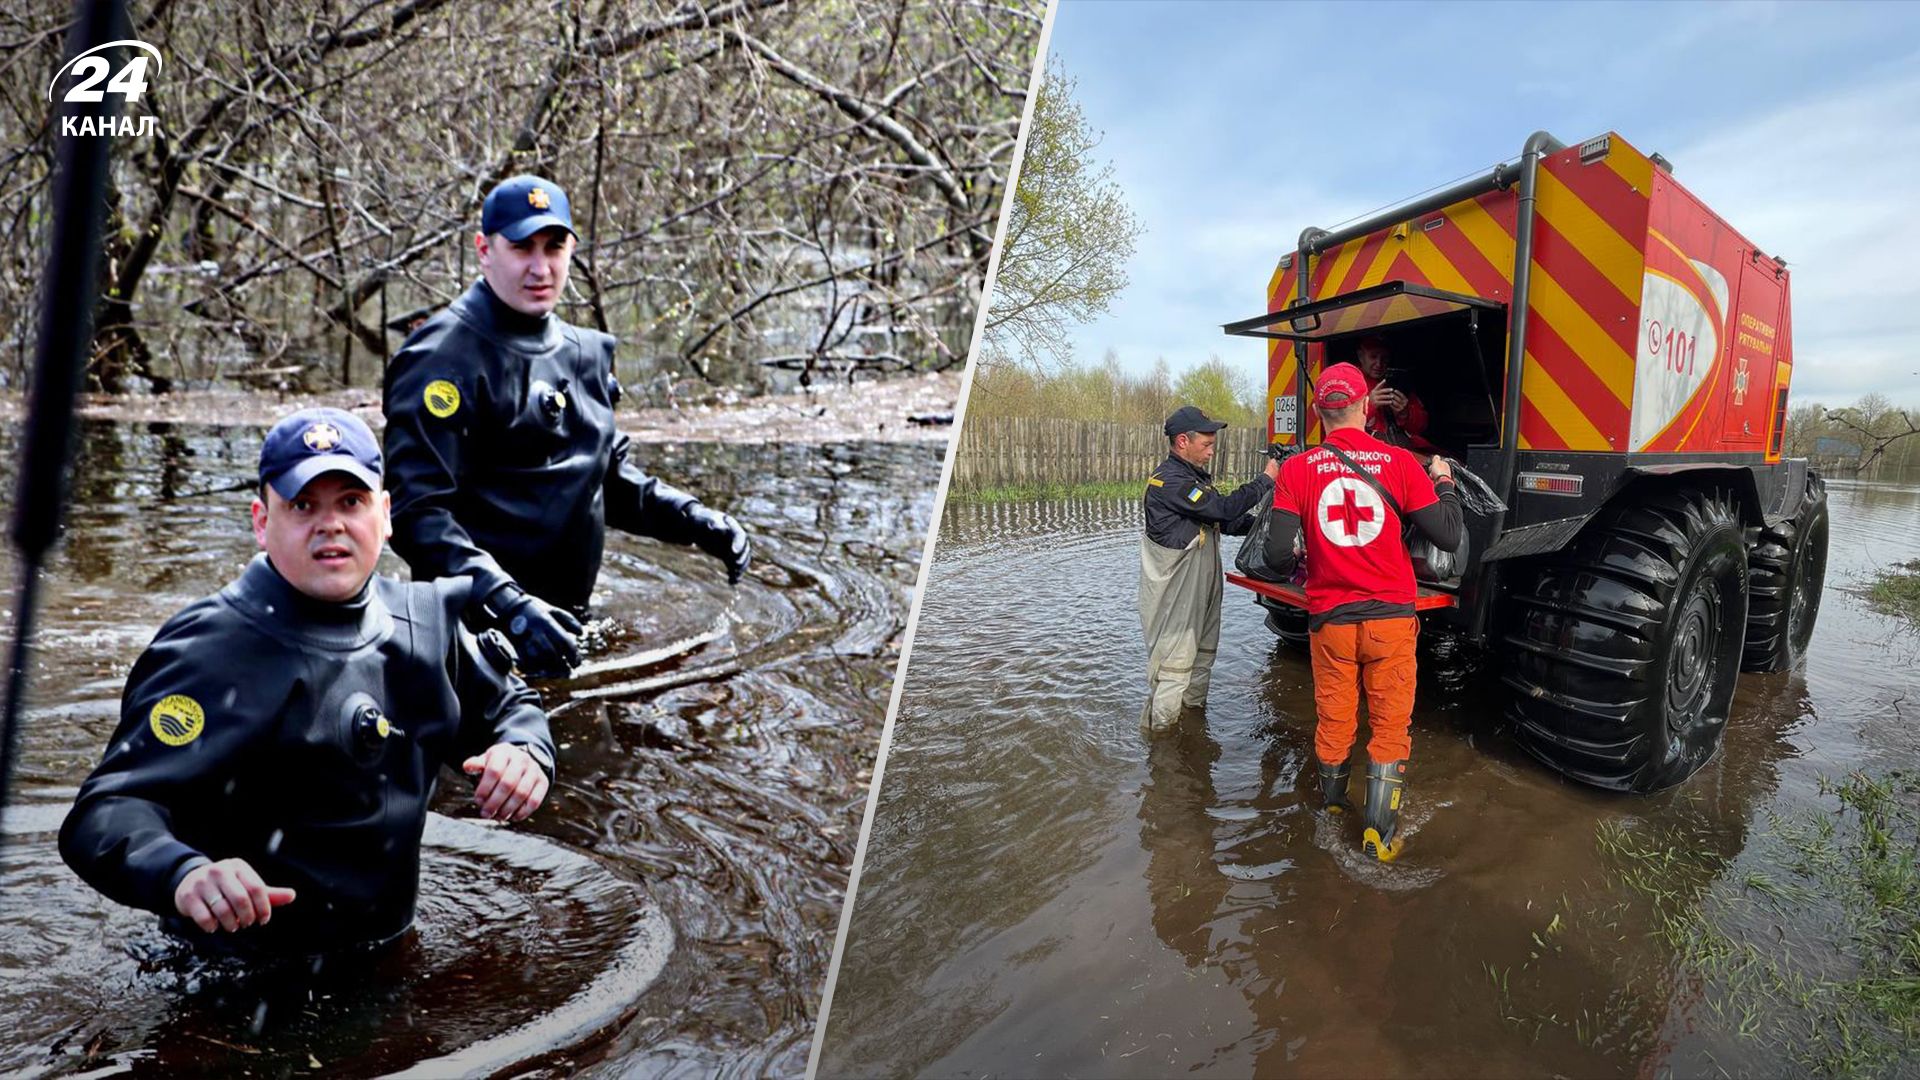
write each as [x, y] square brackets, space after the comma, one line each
[131, 81]
[90, 70]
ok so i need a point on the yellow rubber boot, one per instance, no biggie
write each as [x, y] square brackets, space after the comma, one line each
[1386, 786]
[1333, 787]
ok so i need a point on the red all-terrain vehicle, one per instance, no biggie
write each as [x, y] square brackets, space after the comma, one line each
[1613, 359]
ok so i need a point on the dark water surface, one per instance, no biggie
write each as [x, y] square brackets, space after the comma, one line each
[1046, 894]
[668, 911]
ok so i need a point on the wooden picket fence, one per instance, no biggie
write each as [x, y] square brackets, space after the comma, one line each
[1015, 452]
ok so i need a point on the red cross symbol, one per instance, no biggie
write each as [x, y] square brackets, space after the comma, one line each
[1740, 383]
[1348, 512]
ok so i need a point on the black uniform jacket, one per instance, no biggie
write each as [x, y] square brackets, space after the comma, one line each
[503, 458]
[238, 738]
[1181, 499]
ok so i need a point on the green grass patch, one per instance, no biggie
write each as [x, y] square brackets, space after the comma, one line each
[1816, 957]
[1897, 591]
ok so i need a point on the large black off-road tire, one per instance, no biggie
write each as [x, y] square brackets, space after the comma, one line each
[1787, 569]
[1287, 622]
[1622, 650]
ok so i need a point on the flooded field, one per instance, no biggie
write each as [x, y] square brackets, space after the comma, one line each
[1045, 894]
[668, 911]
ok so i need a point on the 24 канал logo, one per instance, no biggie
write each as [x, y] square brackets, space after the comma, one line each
[89, 70]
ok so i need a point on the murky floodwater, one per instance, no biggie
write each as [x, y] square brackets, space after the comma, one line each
[669, 910]
[1045, 894]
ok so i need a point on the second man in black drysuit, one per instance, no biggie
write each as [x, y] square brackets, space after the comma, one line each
[502, 453]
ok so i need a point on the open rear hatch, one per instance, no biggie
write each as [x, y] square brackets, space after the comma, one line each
[1449, 348]
[1376, 307]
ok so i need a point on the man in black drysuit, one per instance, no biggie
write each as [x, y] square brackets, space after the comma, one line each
[267, 786]
[504, 459]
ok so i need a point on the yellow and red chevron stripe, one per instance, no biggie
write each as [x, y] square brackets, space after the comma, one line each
[1589, 223]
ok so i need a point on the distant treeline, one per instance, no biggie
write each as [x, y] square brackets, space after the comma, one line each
[1108, 392]
[1844, 439]
[1838, 439]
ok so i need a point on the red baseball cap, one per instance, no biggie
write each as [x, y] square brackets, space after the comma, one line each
[1340, 385]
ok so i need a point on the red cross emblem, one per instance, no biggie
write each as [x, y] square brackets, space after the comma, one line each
[1350, 513]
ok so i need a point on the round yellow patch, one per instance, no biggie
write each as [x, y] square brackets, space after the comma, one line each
[177, 720]
[382, 727]
[442, 398]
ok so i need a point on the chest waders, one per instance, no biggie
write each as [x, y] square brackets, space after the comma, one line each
[1180, 592]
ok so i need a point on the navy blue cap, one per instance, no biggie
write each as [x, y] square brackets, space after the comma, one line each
[1187, 418]
[523, 205]
[316, 441]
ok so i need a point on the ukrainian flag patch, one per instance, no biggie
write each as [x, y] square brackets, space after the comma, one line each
[1196, 495]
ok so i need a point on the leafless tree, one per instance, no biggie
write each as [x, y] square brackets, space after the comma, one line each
[759, 184]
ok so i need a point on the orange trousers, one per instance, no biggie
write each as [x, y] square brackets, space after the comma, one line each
[1375, 656]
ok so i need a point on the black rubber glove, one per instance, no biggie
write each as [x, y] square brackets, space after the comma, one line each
[720, 536]
[546, 638]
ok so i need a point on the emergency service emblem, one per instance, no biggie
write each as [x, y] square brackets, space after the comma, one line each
[177, 720]
[538, 199]
[1350, 513]
[442, 398]
[321, 437]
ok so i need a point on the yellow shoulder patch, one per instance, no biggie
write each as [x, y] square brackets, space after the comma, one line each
[177, 720]
[1156, 481]
[442, 398]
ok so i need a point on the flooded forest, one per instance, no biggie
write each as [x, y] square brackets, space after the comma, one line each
[762, 188]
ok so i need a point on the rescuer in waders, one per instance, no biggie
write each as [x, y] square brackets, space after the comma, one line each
[1180, 583]
[267, 786]
[1360, 590]
[503, 456]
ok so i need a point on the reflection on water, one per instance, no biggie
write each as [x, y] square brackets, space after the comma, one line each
[726, 786]
[1044, 894]
[92, 984]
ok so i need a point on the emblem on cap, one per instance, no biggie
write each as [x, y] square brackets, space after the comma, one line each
[537, 198]
[321, 437]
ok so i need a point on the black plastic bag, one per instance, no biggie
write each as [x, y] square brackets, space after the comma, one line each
[1251, 560]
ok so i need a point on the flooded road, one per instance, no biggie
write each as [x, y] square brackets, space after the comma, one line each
[669, 910]
[1045, 894]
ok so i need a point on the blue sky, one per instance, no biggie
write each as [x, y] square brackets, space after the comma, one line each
[1233, 126]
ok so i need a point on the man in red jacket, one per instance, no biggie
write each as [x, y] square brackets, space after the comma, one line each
[1394, 415]
[1360, 589]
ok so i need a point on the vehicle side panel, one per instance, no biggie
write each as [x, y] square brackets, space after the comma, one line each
[1712, 335]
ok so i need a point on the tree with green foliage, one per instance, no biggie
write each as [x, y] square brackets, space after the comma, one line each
[1108, 392]
[1069, 235]
[1219, 389]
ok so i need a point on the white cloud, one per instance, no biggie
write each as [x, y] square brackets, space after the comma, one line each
[1831, 185]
